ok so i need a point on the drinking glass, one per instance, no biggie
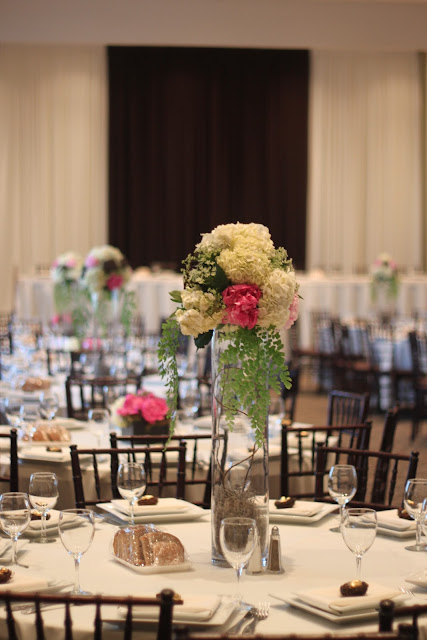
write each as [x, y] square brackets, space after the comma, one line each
[49, 405]
[415, 493]
[15, 516]
[12, 409]
[99, 421]
[189, 398]
[342, 485]
[76, 530]
[359, 528]
[238, 538]
[43, 494]
[131, 483]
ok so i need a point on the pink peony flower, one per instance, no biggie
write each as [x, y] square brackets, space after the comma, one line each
[56, 319]
[92, 344]
[91, 261]
[149, 406]
[71, 263]
[293, 312]
[241, 301]
[114, 282]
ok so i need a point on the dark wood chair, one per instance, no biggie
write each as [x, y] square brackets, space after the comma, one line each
[84, 393]
[161, 472]
[376, 490]
[347, 408]
[418, 344]
[389, 612]
[389, 429]
[198, 473]
[187, 634]
[35, 601]
[305, 440]
[10, 480]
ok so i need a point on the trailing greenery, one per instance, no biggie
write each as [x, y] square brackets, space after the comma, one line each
[168, 368]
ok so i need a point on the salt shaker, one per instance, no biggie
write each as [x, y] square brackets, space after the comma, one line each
[274, 562]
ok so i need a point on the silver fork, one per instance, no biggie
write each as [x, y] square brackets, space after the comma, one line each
[261, 613]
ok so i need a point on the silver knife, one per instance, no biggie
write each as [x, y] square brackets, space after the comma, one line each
[235, 629]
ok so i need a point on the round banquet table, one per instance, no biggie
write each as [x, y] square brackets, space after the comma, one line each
[312, 556]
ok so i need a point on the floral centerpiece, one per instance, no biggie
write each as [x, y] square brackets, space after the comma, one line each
[145, 412]
[105, 274]
[65, 272]
[239, 293]
[385, 276]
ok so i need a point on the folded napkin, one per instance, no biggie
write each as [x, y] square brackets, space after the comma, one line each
[164, 505]
[22, 583]
[306, 509]
[390, 520]
[329, 598]
[194, 608]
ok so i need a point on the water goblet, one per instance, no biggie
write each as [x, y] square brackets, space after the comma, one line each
[358, 529]
[15, 516]
[415, 493]
[76, 530]
[238, 538]
[189, 398]
[131, 483]
[49, 405]
[342, 486]
[99, 420]
[43, 494]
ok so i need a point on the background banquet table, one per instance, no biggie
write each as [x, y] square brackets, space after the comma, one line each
[343, 295]
[312, 556]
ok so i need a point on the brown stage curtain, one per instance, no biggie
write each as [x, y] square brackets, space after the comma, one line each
[201, 137]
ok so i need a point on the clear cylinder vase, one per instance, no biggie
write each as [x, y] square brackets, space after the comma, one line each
[239, 463]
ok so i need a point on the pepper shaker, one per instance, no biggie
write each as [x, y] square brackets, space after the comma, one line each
[274, 562]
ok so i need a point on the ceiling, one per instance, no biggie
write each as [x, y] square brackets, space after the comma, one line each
[387, 25]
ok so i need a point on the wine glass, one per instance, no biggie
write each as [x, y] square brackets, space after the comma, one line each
[49, 405]
[15, 516]
[359, 528]
[189, 398]
[76, 530]
[12, 409]
[342, 485]
[415, 493]
[238, 538]
[99, 420]
[43, 494]
[131, 483]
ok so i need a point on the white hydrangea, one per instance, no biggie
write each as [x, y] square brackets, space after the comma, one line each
[244, 266]
[118, 420]
[277, 295]
[193, 322]
[230, 236]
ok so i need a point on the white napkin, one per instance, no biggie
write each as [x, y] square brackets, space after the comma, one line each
[164, 505]
[330, 599]
[23, 583]
[300, 509]
[51, 523]
[196, 608]
[390, 520]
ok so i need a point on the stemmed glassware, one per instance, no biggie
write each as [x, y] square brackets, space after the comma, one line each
[49, 405]
[414, 496]
[238, 538]
[189, 398]
[342, 486]
[76, 530]
[131, 483]
[99, 421]
[12, 409]
[43, 494]
[359, 528]
[15, 516]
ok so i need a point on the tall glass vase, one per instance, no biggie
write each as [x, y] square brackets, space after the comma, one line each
[239, 464]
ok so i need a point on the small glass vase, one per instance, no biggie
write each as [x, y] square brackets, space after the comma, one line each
[239, 465]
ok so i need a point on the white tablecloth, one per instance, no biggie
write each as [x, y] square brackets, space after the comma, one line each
[312, 556]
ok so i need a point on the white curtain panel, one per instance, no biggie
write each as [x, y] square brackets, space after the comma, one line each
[53, 156]
[365, 160]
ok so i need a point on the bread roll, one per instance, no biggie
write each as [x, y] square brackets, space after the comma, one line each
[142, 546]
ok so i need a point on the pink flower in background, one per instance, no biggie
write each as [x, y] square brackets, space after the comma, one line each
[115, 281]
[149, 406]
[293, 312]
[91, 261]
[66, 317]
[241, 301]
[71, 263]
[56, 319]
[55, 264]
[92, 344]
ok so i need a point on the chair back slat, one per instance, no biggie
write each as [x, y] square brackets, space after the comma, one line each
[346, 407]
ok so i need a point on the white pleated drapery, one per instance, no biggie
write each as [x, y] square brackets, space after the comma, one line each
[365, 160]
[53, 156]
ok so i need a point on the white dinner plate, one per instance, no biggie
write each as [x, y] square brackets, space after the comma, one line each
[419, 579]
[392, 533]
[192, 513]
[286, 515]
[221, 615]
[163, 506]
[337, 618]
[42, 455]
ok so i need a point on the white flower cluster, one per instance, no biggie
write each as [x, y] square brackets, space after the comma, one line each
[246, 254]
[67, 268]
[105, 269]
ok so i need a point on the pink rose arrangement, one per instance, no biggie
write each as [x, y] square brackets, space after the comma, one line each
[241, 301]
[144, 406]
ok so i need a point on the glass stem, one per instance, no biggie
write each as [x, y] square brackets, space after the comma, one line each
[43, 528]
[14, 542]
[132, 512]
[76, 574]
[358, 566]
[418, 532]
